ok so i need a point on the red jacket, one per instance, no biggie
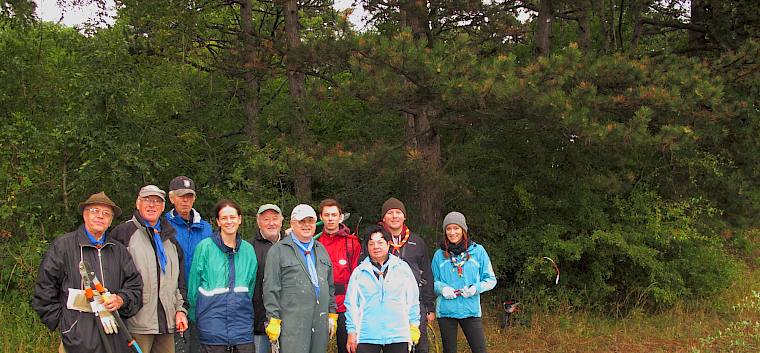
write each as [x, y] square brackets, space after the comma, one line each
[344, 250]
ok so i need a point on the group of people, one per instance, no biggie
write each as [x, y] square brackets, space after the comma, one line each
[180, 285]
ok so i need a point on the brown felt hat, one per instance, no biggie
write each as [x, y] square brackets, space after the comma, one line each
[392, 203]
[100, 199]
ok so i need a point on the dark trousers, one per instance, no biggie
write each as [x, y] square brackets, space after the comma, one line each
[241, 348]
[342, 336]
[187, 343]
[473, 331]
[402, 347]
[422, 346]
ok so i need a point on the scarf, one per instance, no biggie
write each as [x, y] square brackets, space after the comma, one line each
[98, 243]
[156, 230]
[380, 270]
[455, 249]
[306, 248]
[457, 253]
[395, 248]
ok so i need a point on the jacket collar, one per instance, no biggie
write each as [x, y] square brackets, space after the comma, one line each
[167, 230]
[173, 216]
[366, 264]
[217, 239]
[83, 240]
[260, 237]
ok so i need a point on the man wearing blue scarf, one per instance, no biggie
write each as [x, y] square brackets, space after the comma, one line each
[159, 259]
[298, 288]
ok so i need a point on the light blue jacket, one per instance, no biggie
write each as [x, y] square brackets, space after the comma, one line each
[476, 271]
[380, 312]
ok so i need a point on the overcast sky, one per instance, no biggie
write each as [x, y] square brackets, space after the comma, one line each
[49, 10]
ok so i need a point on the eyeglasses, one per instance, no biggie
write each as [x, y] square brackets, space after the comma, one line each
[100, 212]
[307, 221]
[151, 201]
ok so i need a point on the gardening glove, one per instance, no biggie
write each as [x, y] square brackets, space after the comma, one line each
[414, 332]
[469, 291]
[106, 318]
[332, 324]
[448, 293]
[273, 329]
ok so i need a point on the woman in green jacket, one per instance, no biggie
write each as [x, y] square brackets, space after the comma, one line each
[221, 285]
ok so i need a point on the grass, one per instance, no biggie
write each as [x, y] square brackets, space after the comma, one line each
[728, 322]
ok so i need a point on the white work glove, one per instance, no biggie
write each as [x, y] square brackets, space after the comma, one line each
[106, 318]
[448, 293]
[469, 291]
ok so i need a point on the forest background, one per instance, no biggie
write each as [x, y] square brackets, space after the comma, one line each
[617, 137]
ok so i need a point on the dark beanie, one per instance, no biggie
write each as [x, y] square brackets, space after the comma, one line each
[392, 203]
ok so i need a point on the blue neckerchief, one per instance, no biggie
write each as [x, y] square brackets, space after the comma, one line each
[98, 243]
[306, 248]
[159, 244]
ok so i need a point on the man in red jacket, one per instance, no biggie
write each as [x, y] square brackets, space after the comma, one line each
[344, 250]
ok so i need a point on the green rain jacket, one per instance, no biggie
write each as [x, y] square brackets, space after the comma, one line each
[290, 296]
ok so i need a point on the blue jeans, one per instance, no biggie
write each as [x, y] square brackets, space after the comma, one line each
[261, 343]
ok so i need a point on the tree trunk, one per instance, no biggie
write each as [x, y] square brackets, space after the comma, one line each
[584, 24]
[297, 87]
[421, 137]
[429, 198]
[699, 14]
[414, 15]
[544, 27]
[251, 63]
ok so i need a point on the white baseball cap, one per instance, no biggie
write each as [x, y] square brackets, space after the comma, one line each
[303, 211]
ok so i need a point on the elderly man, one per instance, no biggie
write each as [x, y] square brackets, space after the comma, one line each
[191, 229]
[59, 280]
[411, 248]
[269, 221]
[344, 250]
[158, 258]
[298, 288]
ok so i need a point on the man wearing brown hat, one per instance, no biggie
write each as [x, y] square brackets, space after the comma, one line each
[58, 292]
[411, 248]
[157, 256]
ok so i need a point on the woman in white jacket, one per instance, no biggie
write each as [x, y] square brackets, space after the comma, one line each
[382, 301]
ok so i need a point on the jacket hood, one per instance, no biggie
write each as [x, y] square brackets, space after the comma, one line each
[217, 239]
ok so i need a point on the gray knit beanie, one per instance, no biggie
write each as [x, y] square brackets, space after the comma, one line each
[455, 218]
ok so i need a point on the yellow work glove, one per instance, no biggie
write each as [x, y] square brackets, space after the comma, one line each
[273, 329]
[414, 332]
[332, 324]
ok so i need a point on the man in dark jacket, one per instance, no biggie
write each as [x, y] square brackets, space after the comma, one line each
[59, 281]
[411, 248]
[269, 221]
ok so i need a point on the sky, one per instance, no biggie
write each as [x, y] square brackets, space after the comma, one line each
[49, 10]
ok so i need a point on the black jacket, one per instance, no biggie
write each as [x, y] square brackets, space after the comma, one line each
[261, 246]
[59, 271]
[415, 253]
